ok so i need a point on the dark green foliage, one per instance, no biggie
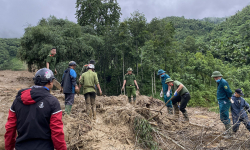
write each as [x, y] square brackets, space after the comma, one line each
[143, 130]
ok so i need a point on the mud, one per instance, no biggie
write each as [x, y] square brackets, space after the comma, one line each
[113, 128]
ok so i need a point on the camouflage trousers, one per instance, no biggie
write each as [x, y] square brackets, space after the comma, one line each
[131, 91]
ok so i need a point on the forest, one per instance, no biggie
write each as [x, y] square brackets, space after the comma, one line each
[189, 50]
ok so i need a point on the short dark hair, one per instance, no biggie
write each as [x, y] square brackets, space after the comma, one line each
[53, 48]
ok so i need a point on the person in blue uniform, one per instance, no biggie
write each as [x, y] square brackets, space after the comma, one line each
[238, 111]
[224, 95]
[166, 90]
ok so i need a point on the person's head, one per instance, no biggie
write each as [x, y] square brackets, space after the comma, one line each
[44, 77]
[217, 76]
[92, 62]
[91, 67]
[130, 70]
[238, 93]
[53, 51]
[161, 72]
[72, 64]
[169, 82]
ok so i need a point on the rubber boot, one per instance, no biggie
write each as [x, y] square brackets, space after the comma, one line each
[170, 110]
[69, 109]
[228, 132]
[66, 109]
[176, 111]
[186, 118]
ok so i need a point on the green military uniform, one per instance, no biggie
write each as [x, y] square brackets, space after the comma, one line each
[89, 80]
[130, 86]
[84, 68]
[52, 62]
[183, 90]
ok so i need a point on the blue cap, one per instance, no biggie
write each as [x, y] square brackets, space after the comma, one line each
[161, 72]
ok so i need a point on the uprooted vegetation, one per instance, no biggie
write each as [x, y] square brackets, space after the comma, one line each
[120, 125]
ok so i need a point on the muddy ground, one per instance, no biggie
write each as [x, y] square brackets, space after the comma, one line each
[114, 126]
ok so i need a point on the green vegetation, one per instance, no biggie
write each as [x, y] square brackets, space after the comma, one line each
[188, 49]
[8, 52]
[143, 131]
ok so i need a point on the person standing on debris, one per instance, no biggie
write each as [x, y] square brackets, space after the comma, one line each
[89, 79]
[36, 115]
[69, 86]
[166, 90]
[224, 95]
[130, 82]
[51, 61]
[181, 95]
[238, 111]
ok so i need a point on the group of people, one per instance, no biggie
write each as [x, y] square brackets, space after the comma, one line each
[36, 115]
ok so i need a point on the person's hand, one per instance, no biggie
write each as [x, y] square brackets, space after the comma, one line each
[77, 90]
[55, 72]
[100, 91]
[138, 88]
[161, 94]
[123, 88]
[61, 90]
[175, 93]
[168, 94]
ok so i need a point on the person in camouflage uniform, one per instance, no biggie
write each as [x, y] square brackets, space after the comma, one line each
[89, 79]
[130, 82]
[51, 61]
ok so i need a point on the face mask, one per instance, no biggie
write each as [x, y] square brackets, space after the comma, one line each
[218, 80]
[162, 75]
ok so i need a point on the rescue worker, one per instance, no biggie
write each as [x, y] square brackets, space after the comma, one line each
[51, 61]
[35, 117]
[238, 111]
[130, 82]
[166, 90]
[181, 95]
[89, 79]
[85, 67]
[69, 86]
[224, 95]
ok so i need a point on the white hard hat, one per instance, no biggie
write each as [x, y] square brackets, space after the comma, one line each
[91, 66]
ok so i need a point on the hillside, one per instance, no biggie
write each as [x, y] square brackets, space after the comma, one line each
[118, 122]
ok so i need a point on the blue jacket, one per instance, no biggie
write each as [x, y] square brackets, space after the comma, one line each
[164, 85]
[223, 91]
[238, 107]
[69, 81]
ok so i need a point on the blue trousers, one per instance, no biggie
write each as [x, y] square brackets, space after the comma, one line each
[224, 106]
[166, 99]
[237, 122]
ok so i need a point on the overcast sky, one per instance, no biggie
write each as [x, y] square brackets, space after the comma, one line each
[15, 15]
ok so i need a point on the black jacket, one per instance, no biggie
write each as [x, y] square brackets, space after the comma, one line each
[37, 117]
[69, 81]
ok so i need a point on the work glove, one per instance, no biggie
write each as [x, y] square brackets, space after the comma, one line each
[161, 94]
[168, 94]
[231, 101]
[175, 93]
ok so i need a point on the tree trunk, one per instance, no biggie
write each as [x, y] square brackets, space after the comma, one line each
[123, 72]
[152, 86]
[154, 82]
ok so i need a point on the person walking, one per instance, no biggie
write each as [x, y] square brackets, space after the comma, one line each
[88, 80]
[130, 82]
[224, 95]
[69, 86]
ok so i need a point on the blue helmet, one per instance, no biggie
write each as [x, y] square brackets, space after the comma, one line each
[161, 72]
